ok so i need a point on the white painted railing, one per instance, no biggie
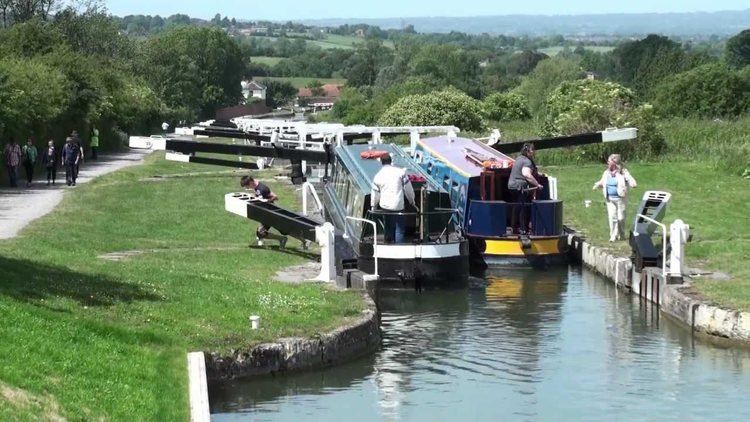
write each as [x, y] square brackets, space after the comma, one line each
[308, 187]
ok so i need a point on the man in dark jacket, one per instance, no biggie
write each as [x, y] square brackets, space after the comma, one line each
[12, 157]
[29, 160]
[49, 161]
[71, 156]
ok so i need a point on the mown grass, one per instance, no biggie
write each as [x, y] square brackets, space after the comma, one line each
[267, 60]
[87, 338]
[301, 82]
[713, 203]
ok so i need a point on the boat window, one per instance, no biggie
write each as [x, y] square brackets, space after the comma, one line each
[447, 182]
[418, 157]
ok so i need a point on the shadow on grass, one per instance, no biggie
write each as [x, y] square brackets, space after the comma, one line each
[288, 251]
[31, 281]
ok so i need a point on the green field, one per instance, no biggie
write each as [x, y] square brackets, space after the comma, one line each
[553, 51]
[86, 338]
[270, 61]
[334, 41]
[301, 82]
[714, 204]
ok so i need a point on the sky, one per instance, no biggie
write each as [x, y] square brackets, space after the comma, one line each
[324, 9]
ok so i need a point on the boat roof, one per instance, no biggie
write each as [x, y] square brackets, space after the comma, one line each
[453, 150]
[364, 170]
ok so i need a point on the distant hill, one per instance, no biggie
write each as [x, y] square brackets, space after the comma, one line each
[679, 24]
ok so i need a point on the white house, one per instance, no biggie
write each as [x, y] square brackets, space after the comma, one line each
[253, 89]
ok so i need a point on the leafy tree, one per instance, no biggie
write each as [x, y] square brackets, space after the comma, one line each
[505, 106]
[32, 96]
[547, 76]
[278, 93]
[365, 64]
[524, 62]
[29, 39]
[590, 105]
[194, 69]
[712, 90]
[446, 107]
[448, 65]
[316, 88]
[738, 49]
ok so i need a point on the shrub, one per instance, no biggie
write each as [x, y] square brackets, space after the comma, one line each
[505, 106]
[446, 107]
[712, 90]
[590, 106]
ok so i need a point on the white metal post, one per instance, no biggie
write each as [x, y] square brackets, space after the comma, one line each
[679, 232]
[325, 236]
[413, 139]
[552, 187]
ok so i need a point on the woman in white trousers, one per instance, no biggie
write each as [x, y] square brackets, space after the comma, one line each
[615, 182]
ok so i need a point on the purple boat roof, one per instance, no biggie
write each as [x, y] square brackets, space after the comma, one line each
[454, 151]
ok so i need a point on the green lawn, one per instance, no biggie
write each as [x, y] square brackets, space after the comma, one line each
[270, 61]
[301, 82]
[87, 338]
[714, 204]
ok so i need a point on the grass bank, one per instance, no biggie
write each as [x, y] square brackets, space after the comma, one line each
[87, 338]
[714, 203]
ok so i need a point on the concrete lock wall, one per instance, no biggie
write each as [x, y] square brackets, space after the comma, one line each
[293, 354]
[674, 299]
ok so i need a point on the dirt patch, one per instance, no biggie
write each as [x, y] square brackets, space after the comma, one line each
[21, 399]
[304, 273]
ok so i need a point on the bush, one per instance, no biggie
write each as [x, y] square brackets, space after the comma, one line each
[446, 107]
[545, 77]
[32, 96]
[505, 106]
[712, 90]
[591, 106]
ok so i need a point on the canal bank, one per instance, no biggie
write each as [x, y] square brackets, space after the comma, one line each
[560, 344]
[679, 301]
[344, 343]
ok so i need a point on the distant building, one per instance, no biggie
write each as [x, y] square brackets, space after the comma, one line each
[252, 89]
[323, 100]
[591, 76]
[360, 33]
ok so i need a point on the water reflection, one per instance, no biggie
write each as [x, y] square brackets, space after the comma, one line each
[532, 345]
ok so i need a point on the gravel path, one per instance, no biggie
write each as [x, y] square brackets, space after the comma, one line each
[20, 206]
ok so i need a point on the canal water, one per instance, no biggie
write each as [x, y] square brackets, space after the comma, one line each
[555, 345]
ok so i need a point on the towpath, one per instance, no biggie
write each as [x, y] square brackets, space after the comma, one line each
[20, 206]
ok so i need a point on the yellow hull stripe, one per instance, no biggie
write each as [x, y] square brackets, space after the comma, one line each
[512, 247]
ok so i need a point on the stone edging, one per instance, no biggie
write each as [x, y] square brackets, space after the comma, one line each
[692, 312]
[295, 354]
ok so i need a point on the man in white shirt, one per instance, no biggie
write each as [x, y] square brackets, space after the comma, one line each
[389, 187]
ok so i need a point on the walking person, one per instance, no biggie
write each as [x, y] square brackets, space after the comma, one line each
[390, 187]
[49, 161]
[522, 183]
[12, 157]
[30, 154]
[615, 182]
[264, 192]
[79, 143]
[71, 156]
[94, 142]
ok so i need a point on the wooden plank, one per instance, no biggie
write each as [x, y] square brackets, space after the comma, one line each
[198, 388]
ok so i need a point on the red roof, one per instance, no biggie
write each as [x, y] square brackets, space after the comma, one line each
[329, 90]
